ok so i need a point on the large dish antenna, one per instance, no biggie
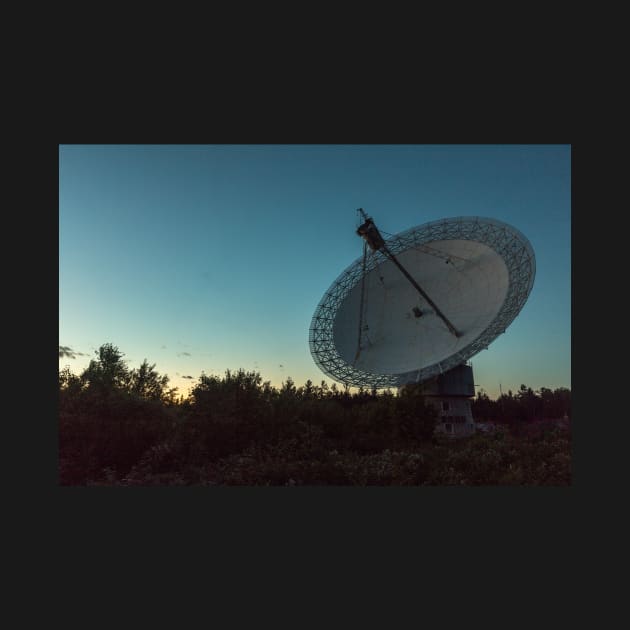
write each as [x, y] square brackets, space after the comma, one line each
[421, 302]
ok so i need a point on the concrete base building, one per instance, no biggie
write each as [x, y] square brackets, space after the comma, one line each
[451, 394]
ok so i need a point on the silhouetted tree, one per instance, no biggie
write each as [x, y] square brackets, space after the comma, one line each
[108, 371]
[122, 426]
[416, 418]
[147, 383]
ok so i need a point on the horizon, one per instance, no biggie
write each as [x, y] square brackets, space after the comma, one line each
[204, 258]
[329, 382]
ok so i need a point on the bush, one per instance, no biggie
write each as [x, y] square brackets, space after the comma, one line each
[124, 427]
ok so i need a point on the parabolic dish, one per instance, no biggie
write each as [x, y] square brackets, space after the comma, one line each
[372, 328]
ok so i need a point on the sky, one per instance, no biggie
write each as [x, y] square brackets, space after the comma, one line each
[202, 258]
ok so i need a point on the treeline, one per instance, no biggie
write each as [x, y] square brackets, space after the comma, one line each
[526, 405]
[121, 426]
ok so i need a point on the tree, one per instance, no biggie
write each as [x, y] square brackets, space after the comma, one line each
[147, 383]
[308, 391]
[70, 389]
[288, 388]
[108, 371]
[562, 395]
[416, 418]
[68, 382]
[529, 404]
[483, 408]
[235, 393]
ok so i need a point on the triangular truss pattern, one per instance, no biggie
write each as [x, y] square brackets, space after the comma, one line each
[507, 241]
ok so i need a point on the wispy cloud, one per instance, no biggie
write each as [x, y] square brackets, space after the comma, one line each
[67, 351]
[184, 354]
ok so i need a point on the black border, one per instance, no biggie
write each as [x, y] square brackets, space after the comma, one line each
[354, 523]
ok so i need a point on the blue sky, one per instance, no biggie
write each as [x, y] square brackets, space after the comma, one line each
[201, 258]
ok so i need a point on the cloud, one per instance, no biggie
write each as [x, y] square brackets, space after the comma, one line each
[184, 354]
[67, 351]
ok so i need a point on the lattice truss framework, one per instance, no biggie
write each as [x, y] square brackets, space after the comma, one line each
[504, 239]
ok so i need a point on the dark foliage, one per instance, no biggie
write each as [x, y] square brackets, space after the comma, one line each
[526, 406]
[126, 427]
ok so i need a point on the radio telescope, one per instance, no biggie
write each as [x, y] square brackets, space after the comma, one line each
[419, 304]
